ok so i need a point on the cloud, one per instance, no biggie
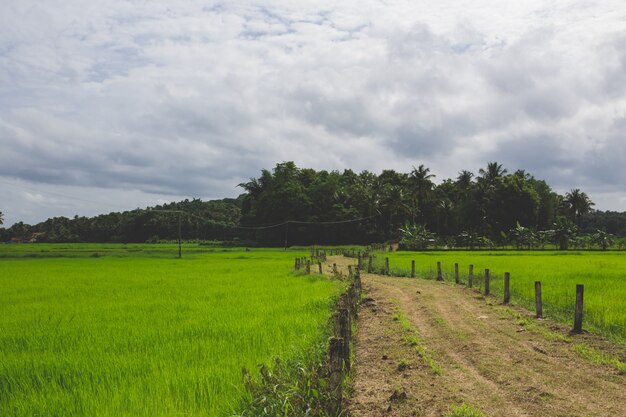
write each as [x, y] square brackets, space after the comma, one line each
[189, 99]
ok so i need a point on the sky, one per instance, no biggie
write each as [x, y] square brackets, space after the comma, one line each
[111, 105]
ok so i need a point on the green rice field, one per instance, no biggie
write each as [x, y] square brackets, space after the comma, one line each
[602, 273]
[130, 330]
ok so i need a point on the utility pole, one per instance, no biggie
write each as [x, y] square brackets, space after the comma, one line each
[180, 249]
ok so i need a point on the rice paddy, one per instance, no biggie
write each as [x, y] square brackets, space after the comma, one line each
[602, 273]
[103, 330]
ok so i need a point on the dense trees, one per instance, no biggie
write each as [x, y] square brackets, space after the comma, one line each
[198, 220]
[292, 205]
[490, 206]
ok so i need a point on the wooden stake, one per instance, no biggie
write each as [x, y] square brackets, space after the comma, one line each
[308, 266]
[578, 315]
[487, 281]
[538, 302]
[335, 351]
[344, 332]
[456, 273]
[319, 267]
[387, 266]
[439, 273]
[369, 265]
[470, 277]
[507, 290]
[413, 269]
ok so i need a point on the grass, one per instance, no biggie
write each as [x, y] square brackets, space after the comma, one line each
[602, 273]
[411, 338]
[144, 334]
[464, 410]
[598, 357]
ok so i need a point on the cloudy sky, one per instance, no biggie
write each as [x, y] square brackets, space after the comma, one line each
[109, 105]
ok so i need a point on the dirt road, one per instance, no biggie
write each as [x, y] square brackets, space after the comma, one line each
[423, 347]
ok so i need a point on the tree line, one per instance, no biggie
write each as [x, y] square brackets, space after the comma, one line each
[289, 205]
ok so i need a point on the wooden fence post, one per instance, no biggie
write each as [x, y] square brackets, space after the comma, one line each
[349, 271]
[507, 287]
[335, 269]
[470, 277]
[456, 273]
[386, 266]
[345, 333]
[357, 282]
[439, 274]
[335, 350]
[319, 267]
[308, 267]
[413, 269]
[578, 315]
[487, 278]
[538, 302]
[360, 263]
[297, 266]
[369, 265]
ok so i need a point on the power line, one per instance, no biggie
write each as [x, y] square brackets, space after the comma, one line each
[270, 226]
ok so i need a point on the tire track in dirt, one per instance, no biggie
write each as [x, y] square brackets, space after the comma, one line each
[487, 359]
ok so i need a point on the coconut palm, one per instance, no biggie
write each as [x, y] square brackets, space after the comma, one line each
[420, 180]
[1, 218]
[578, 204]
[464, 180]
[494, 171]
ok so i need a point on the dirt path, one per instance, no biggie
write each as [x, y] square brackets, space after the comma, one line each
[424, 346]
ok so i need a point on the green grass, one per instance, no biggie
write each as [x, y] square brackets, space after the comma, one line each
[411, 338]
[127, 334]
[598, 357]
[464, 410]
[602, 273]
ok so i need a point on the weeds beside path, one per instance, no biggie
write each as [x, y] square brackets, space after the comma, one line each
[427, 348]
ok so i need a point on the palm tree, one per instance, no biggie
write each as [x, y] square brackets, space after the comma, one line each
[1, 218]
[420, 179]
[494, 171]
[464, 180]
[578, 204]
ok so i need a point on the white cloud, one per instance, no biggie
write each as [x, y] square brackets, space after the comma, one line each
[189, 98]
